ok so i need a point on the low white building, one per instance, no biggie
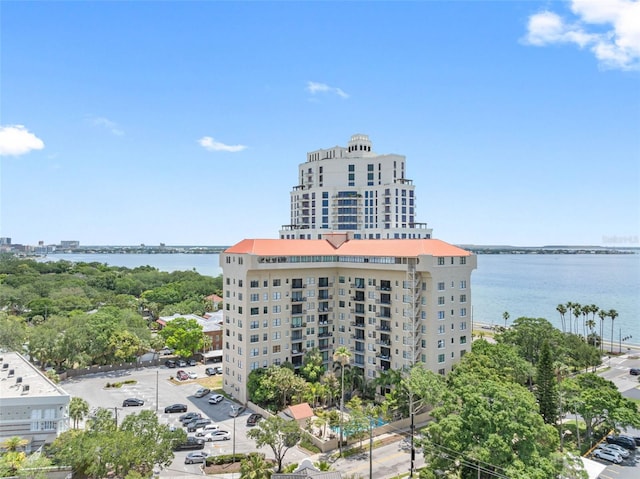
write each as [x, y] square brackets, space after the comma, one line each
[31, 406]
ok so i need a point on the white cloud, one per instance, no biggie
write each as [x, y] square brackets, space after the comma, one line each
[16, 140]
[102, 122]
[609, 28]
[315, 87]
[210, 144]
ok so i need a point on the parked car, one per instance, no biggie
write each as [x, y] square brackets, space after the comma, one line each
[170, 363]
[195, 458]
[210, 371]
[182, 363]
[216, 398]
[253, 419]
[237, 411]
[192, 375]
[132, 402]
[192, 362]
[193, 426]
[207, 429]
[166, 351]
[634, 371]
[176, 408]
[190, 444]
[182, 375]
[202, 392]
[615, 448]
[218, 369]
[625, 441]
[218, 435]
[608, 455]
[190, 416]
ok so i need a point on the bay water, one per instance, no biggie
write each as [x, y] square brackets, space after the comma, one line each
[529, 285]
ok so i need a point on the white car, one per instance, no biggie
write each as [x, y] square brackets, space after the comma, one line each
[608, 455]
[218, 435]
[216, 398]
[192, 375]
[615, 448]
[207, 429]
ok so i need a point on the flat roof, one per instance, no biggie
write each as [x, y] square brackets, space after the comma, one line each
[19, 373]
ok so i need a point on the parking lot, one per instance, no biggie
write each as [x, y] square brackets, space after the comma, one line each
[154, 382]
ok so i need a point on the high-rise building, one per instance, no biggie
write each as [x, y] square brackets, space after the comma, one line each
[391, 302]
[354, 190]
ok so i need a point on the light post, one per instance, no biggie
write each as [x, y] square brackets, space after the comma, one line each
[233, 409]
[157, 374]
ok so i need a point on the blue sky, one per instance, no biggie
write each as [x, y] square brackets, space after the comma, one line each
[184, 123]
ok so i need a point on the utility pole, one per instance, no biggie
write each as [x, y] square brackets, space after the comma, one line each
[157, 373]
[233, 409]
[370, 449]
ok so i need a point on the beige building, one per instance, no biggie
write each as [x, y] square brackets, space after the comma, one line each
[391, 302]
[31, 406]
[354, 190]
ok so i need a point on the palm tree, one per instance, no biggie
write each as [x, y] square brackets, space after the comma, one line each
[78, 409]
[322, 466]
[562, 310]
[570, 309]
[254, 466]
[586, 309]
[505, 316]
[602, 314]
[14, 443]
[341, 355]
[577, 309]
[613, 314]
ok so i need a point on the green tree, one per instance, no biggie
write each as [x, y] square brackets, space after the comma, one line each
[13, 332]
[613, 314]
[546, 388]
[183, 335]
[341, 356]
[312, 367]
[78, 410]
[254, 466]
[278, 434]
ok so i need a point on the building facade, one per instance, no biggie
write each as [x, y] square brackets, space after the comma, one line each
[391, 302]
[353, 189]
[31, 406]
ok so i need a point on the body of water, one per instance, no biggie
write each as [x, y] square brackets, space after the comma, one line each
[520, 284]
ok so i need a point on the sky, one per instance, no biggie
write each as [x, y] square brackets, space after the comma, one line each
[184, 123]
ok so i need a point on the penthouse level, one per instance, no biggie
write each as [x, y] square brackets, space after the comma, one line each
[391, 302]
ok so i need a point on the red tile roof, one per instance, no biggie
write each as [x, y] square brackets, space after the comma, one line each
[378, 247]
[300, 411]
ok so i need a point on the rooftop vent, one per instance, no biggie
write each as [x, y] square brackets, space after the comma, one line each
[25, 388]
[18, 379]
[12, 372]
[5, 365]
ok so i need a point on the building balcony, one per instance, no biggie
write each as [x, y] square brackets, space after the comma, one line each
[297, 352]
[298, 299]
[298, 325]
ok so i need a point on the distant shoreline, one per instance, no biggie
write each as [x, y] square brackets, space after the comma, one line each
[219, 249]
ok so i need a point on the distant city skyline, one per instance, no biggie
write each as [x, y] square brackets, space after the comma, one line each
[127, 123]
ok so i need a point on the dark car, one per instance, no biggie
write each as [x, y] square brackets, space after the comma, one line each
[176, 408]
[625, 441]
[253, 419]
[192, 362]
[170, 363]
[190, 416]
[210, 371]
[197, 424]
[634, 371]
[132, 402]
[190, 444]
[195, 458]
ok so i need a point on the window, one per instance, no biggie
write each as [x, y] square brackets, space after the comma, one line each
[254, 324]
[277, 295]
[463, 298]
[276, 309]
[440, 343]
[254, 283]
[463, 284]
[277, 322]
[440, 300]
[441, 329]
[254, 352]
[276, 335]
[463, 325]
[440, 260]
[463, 311]
[255, 297]
[441, 286]
[254, 338]
[463, 260]
[440, 314]
[441, 358]
[276, 282]
[276, 349]
[255, 311]
[463, 340]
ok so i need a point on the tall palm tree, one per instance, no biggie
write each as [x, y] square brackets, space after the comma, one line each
[505, 316]
[570, 310]
[602, 314]
[78, 409]
[577, 311]
[585, 310]
[561, 308]
[613, 314]
[341, 355]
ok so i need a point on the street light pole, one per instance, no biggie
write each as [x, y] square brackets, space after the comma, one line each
[233, 408]
[157, 374]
